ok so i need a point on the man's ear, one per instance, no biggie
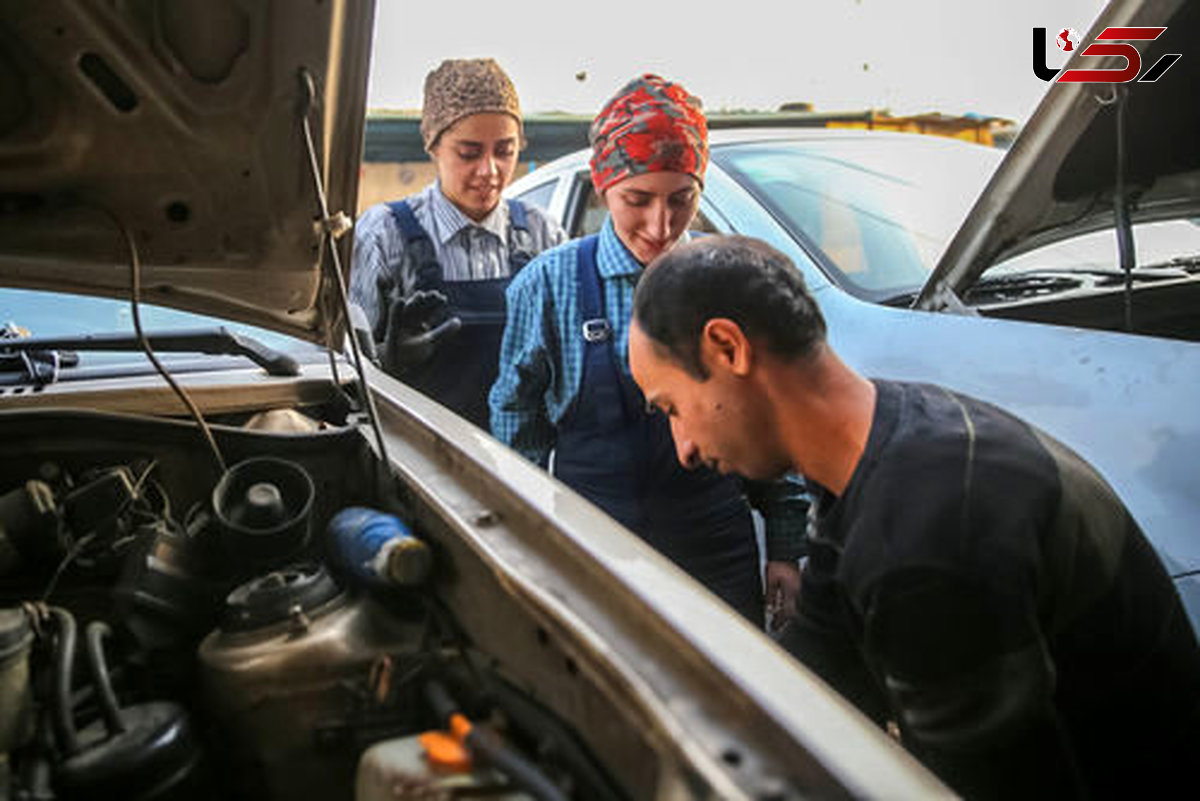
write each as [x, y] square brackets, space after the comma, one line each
[723, 345]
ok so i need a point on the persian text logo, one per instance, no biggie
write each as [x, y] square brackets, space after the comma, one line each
[1068, 41]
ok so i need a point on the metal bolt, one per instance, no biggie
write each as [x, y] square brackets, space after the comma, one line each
[771, 790]
[485, 518]
[299, 620]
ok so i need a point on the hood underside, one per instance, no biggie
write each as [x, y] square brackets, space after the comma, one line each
[182, 120]
[1060, 176]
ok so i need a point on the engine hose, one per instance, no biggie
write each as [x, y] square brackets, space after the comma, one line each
[440, 702]
[95, 634]
[64, 652]
[488, 747]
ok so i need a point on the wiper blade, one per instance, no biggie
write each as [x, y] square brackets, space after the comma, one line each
[219, 341]
[901, 301]
[1021, 285]
[1184, 264]
[37, 366]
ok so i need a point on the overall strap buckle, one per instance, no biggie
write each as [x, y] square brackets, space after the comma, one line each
[597, 330]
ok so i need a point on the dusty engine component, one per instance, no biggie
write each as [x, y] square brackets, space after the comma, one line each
[164, 596]
[142, 752]
[293, 658]
[401, 769]
[282, 421]
[95, 506]
[85, 744]
[16, 695]
[263, 507]
[29, 529]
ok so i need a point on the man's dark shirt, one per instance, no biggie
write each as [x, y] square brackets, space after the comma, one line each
[981, 585]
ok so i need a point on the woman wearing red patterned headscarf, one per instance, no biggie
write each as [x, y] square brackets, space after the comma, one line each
[564, 385]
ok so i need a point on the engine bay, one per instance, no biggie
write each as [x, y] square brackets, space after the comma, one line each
[169, 630]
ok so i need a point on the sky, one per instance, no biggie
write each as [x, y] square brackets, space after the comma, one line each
[908, 56]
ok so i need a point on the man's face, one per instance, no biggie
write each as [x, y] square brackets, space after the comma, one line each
[475, 158]
[652, 210]
[722, 422]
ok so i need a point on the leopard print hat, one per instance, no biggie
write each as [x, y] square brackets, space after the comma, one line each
[461, 87]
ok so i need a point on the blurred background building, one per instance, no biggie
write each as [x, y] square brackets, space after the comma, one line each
[395, 165]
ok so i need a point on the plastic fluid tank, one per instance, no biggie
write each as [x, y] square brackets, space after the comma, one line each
[292, 657]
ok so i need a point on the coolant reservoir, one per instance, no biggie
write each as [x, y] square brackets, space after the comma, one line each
[16, 697]
[288, 666]
[399, 770]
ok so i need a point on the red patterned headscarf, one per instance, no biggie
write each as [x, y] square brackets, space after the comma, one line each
[651, 125]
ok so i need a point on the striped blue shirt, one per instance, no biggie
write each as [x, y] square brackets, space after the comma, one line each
[541, 368]
[467, 250]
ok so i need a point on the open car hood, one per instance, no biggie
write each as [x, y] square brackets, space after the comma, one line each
[1058, 179]
[182, 119]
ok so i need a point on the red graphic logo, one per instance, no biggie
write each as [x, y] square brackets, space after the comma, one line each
[1068, 41]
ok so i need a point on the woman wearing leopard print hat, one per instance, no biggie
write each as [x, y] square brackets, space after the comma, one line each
[430, 270]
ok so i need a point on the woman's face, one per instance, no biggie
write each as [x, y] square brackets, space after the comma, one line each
[652, 210]
[475, 158]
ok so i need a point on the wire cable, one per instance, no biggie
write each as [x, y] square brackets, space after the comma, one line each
[135, 273]
[308, 87]
[72, 554]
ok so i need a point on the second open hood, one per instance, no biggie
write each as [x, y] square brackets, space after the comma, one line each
[1058, 179]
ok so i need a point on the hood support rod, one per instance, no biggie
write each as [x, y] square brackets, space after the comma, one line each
[332, 228]
[1125, 248]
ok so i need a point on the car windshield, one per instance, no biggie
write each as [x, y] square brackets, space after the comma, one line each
[879, 209]
[57, 314]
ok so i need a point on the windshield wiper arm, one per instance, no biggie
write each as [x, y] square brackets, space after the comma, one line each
[219, 341]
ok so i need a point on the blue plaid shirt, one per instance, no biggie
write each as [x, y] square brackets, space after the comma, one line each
[541, 369]
[466, 250]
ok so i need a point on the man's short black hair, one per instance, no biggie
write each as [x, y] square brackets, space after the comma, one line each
[735, 277]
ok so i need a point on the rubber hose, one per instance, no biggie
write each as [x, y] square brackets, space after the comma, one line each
[95, 634]
[488, 746]
[64, 652]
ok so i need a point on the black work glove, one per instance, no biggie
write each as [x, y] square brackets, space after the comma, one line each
[416, 326]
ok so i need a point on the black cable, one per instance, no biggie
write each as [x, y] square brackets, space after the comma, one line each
[440, 702]
[95, 635]
[64, 652]
[72, 554]
[35, 782]
[135, 270]
[488, 747]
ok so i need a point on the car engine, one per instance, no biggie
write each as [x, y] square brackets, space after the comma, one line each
[170, 630]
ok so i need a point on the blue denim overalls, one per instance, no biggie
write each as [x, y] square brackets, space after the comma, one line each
[622, 458]
[463, 369]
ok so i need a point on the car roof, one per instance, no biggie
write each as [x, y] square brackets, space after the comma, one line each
[732, 137]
